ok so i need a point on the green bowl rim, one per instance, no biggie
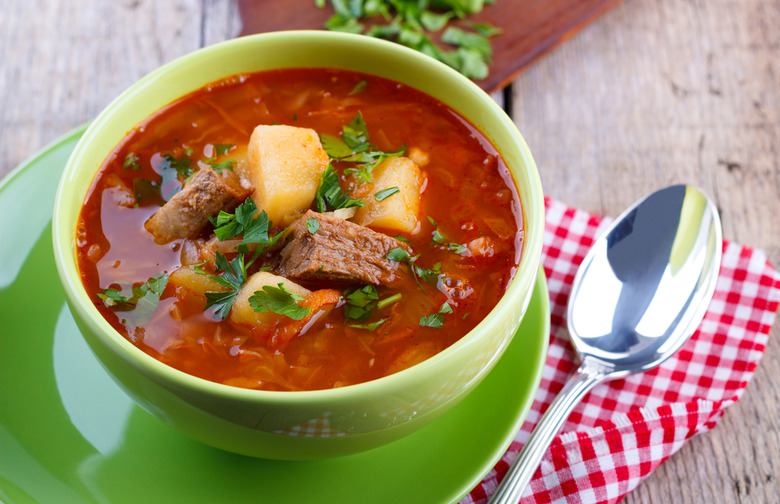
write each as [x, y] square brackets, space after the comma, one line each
[524, 277]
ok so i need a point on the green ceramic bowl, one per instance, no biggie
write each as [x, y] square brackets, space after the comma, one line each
[299, 425]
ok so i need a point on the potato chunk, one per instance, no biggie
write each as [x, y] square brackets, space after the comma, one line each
[399, 212]
[284, 165]
[242, 312]
[186, 278]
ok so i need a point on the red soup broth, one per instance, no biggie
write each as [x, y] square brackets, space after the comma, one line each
[468, 197]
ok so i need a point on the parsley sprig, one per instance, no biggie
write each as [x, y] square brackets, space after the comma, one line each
[428, 275]
[279, 300]
[436, 320]
[438, 237]
[248, 222]
[233, 278]
[355, 146]
[330, 195]
[171, 170]
[361, 303]
[221, 150]
[131, 161]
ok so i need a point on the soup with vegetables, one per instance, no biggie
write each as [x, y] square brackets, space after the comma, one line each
[299, 229]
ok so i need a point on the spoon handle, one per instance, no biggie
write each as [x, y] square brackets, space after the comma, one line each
[524, 466]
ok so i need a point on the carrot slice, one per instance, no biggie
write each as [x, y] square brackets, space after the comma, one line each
[320, 301]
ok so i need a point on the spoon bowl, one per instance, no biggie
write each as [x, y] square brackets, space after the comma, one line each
[637, 297]
[644, 287]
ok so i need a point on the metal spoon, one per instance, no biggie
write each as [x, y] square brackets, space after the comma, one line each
[638, 295]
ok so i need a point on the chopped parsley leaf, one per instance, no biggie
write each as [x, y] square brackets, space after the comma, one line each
[361, 303]
[222, 149]
[435, 320]
[142, 299]
[386, 193]
[359, 87]
[233, 278]
[452, 247]
[399, 255]
[247, 222]
[229, 225]
[312, 225]
[227, 164]
[335, 146]
[486, 29]
[278, 300]
[345, 24]
[430, 276]
[355, 146]
[355, 134]
[171, 170]
[330, 195]
[131, 161]
[146, 190]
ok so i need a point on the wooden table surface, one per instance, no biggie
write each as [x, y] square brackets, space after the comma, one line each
[653, 93]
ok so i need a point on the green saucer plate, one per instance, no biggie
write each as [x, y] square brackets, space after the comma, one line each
[69, 434]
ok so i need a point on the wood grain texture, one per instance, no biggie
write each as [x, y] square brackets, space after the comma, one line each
[530, 28]
[661, 92]
[655, 92]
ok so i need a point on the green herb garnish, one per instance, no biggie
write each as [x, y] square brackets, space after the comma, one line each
[131, 161]
[248, 222]
[182, 166]
[435, 320]
[372, 326]
[222, 149]
[409, 23]
[330, 195]
[312, 225]
[361, 303]
[278, 300]
[227, 164]
[229, 225]
[386, 193]
[233, 278]
[428, 275]
[355, 146]
[359, 87]
[171, 170]
[141, 299]
[146, 190]
[439, 238]
[398, 255]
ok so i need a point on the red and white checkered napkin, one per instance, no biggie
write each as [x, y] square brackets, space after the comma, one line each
[624, 429]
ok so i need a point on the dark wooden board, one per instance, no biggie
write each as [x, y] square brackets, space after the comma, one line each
[531, 28]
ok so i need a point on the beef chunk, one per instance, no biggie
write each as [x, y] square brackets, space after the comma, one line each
[339, 250]
[187, 213]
